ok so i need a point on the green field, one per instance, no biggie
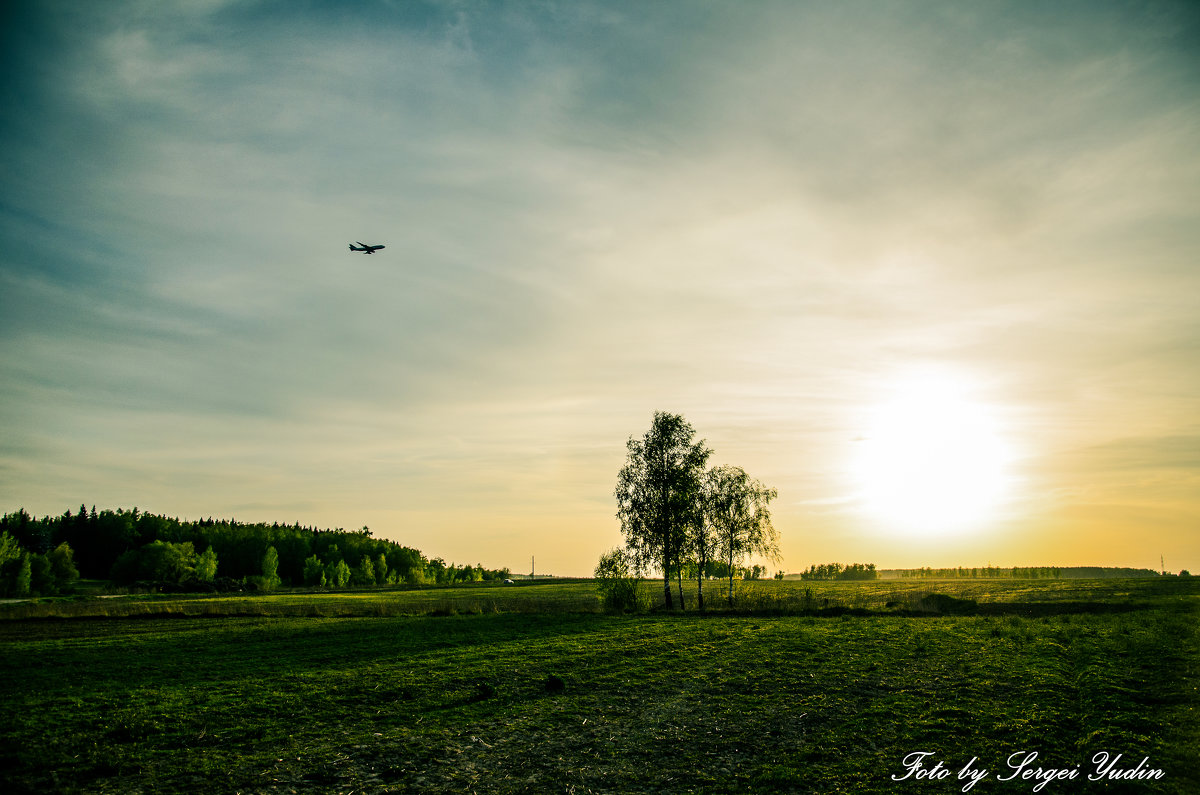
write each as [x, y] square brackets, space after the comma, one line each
[803, 688]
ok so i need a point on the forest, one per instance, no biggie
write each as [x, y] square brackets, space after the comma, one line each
[41, 557]
[840, 571]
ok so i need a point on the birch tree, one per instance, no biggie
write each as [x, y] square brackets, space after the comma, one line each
[658, 493]
[737, 510]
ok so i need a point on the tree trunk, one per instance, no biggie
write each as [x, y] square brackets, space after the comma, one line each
[664, 527]
[666, 567]
[731, 580]
[679, 577]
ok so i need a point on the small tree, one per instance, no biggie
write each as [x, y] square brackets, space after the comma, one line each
[158, 562]
[10, 548]
[206, 565]
[381, 569]
[618, 583]
[42, 582]
[314, 572]
[365, 573]
[341, 575]
[742, 519]
[62, 565]
[24, 581]
[270, 570]
[704, 538]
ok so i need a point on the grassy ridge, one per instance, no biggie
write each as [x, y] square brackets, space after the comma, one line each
[658, 703]
[1028, 597]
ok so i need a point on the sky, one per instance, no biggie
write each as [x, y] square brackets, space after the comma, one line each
[928, 269]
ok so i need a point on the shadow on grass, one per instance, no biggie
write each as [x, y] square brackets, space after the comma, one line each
[930, 606]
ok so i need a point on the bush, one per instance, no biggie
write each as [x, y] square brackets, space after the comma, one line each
[314, 572]
[206, 566]
[158, 561]
[617, 581]
[270, 570]
[337, 575]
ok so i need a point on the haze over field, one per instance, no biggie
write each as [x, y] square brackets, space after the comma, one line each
[927, 269]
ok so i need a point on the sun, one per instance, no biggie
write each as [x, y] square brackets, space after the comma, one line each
[932, 460]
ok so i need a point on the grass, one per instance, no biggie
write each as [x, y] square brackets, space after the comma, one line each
[917, 597]
[737, 702]
[539, 596]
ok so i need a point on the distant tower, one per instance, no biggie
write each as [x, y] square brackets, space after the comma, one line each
[532, 568]
[1162, 565]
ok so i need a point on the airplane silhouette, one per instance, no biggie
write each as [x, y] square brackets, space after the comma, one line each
[365, 248]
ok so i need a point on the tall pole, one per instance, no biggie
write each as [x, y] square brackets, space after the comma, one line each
[532, 568]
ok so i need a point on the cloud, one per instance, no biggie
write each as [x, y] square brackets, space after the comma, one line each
[592, 211]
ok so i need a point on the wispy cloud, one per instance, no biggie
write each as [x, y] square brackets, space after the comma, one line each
[592, 211]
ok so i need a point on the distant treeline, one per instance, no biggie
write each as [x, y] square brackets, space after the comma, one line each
[720, 570]
[1018, 573]
[840, 571]
[131, 546]
[23, 573]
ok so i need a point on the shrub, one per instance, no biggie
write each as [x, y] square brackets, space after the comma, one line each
[206, 565]
[314, 572]
[24, 579]
[338, 574]
[365, 573]
[618, 583]
[158, 562]
[270, 570]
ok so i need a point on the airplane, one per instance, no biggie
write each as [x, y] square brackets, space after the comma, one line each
[365, 248]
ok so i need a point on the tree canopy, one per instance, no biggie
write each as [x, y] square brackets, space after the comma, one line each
[135, 547]
[25, 573]
[658, 493]
[736, 508]
[676, 516]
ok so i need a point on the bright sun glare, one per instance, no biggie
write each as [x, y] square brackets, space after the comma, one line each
[932, 461]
